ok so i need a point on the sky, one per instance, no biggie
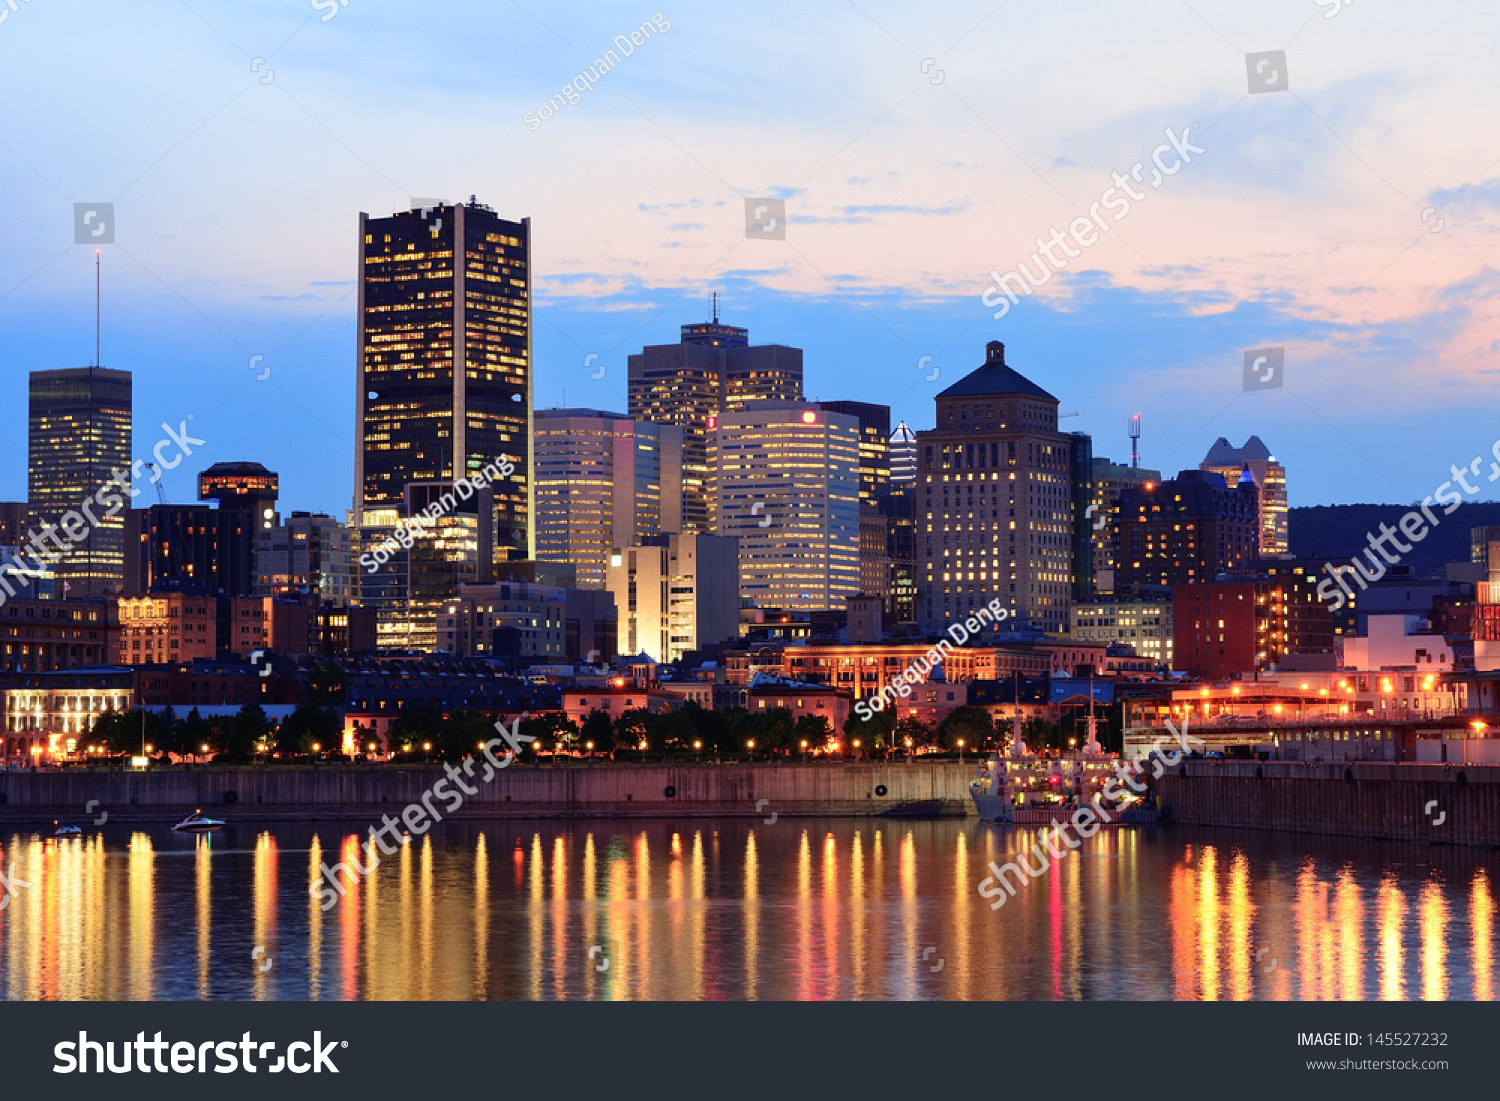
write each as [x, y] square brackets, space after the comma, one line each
[1348, 217]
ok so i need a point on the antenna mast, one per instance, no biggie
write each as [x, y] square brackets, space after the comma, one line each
[1133, 426]
[716, 307]
[96, 306]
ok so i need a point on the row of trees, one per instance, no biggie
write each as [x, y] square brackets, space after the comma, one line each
[422, 731]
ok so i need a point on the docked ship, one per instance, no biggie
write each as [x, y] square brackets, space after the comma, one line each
[1024, 788]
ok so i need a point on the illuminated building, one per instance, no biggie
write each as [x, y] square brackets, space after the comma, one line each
[44, 635]
[995, 514]
[874, 447]
[504, 619]
[50, 715]
[902, 448]
[185, 626]
[874, 554]
[675, 593]
[1187, 530]
[713, 370]
[603, 481]
[1143, 625]
[900, 508]
[14, 519]
[447, 552]
[444, 363]
[309, 553]
[79, 433]
[1270, 482]
[1109, 480]
[788, 488]
[1223, 628]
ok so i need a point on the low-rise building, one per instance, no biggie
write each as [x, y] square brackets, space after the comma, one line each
[48, 715]
[1143, 625]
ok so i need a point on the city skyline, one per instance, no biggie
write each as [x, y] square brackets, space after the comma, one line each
[1344, 263]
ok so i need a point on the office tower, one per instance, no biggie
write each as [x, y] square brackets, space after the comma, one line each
[447, 552]
[308, 553]
[1081, 475]
[1270, 480]
[1186, 530]
[1144, 625]
[874, 554]
[995, 510]
[78, 435]
[900, 509]
[603, 481]
[903, 452]
[246, 497]
[1109, 479]
[874, 447]
[444, 361]
[712, 370]
[788, 483]
[675, 593]
[15, 516]
[171, 547]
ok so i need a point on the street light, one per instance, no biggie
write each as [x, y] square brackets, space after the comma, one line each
[698, 748]
[960, 749]
[804, 749]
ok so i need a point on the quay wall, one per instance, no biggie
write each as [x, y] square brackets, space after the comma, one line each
[927, 790]
[1450, 803]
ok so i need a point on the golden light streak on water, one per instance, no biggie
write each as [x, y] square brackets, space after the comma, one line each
[751, 916]
[1482, 936]
[538, 918]
[142, 920]
[804, 919]
[314, 919]
[1239, 927]
[1345, 929]
[265, 877]
[1181, 917]
[1392, 953]
[697, 916]
[910, 908]
[858, 910]
[828, 917]
[1208, 920]
[203, 897]
[1434, 932]
[426, 948]
[482, 915]
[349, 909]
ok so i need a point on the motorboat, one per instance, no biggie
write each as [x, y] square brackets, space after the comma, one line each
[66, 829]
[197, 823]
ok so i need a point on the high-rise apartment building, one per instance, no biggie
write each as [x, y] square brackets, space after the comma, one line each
[900, 509]
[788, 488]
[874, 447]
[995, 511]
[1109, 479]
[1183, 531]
[603, 481]
[712, 370]
[310, 552]
[675, 593]
[79, 433]
[444, 362]
[1228, 627]
[1270, 482]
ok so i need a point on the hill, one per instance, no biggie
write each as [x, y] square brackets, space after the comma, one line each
[1338, 532]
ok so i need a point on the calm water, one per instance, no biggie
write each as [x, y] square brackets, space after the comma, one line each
[799, 909]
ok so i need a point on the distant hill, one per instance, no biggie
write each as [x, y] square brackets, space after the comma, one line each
[1338, 532]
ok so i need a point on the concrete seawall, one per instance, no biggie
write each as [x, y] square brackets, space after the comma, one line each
[1445, 804]
[927, 790]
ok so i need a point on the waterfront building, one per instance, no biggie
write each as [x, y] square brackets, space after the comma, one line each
[1222, 628]
[43, 636]
[48, 715]
[713, 370]
[1403, 642]
[78, 435]
[1110, 479]
[788, 488]
[603, 481]
[1189, 529]
[444, 363]
[1270, 483]
[675, 593]
[996, 501]
[1144, 625]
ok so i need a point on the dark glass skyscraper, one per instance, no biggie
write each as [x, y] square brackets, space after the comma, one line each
[444, 361]
[78, 435]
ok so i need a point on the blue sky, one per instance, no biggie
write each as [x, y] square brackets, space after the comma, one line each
[916, 150]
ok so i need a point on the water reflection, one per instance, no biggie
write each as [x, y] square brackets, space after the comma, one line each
[705, 909]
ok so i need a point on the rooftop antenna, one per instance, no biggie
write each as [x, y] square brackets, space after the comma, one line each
[96, 306]
[1134, 428]
[716, 307]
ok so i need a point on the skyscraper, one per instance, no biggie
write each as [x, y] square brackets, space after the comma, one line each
[246, 495]
[713, 369]
[995, 479]
[874, 447]
[1184, 531]
[903, 452]
[79, 432]
[603, 481]
[444, 361]
[675, 593]
[1109, 480]
[1270, 481]
[788, 487]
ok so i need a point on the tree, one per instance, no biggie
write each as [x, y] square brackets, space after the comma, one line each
[597, 729]
[1039, 733]
[632, 728]
[305, 726]
[191, 733]
[972, 724]
[772, 729]
[246, 731]
[815, 730]
[554, 730]
[874, 733]
[462, 734]
[325, 685]
[417, 724]
[915, 729]
[673, 731]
